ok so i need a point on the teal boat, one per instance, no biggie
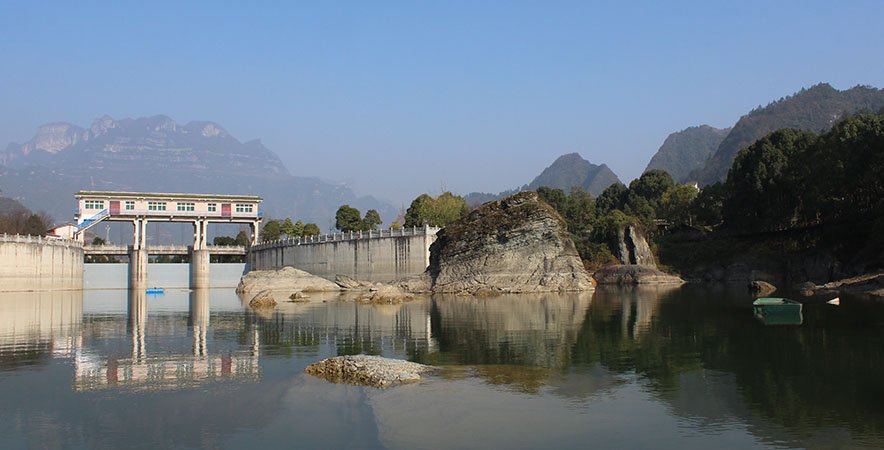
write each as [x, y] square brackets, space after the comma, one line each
[155, 291]
[778, 311]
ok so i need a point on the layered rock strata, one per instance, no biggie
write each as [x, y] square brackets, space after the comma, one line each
[518, 244]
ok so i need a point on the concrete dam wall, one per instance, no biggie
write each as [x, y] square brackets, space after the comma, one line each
[30, 263]
[385, 255]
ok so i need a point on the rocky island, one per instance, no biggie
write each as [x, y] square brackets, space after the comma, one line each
[518, 244]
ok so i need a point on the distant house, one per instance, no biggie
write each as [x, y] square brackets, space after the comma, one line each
[65, 231]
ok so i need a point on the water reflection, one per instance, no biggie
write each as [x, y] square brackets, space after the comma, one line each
[164, 368]
[550, 365]
[35, 326]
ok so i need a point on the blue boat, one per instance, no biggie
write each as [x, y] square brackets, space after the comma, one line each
[778, 311]
[155, 291]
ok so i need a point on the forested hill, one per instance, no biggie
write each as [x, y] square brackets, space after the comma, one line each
[567, 171]
[815, 109]
[687, 150]
[572, 170]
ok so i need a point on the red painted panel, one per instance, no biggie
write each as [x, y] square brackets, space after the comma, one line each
[225, 210]
[114, 208]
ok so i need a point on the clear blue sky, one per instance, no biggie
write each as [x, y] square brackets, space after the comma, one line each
[399, 98]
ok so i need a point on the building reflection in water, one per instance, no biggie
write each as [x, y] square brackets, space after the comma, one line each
[162, 370]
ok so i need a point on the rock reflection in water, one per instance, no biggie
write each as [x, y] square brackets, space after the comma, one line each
[348, 327]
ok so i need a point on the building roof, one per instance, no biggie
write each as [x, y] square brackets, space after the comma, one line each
[167, 195]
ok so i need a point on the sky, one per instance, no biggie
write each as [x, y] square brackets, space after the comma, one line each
[400, 98]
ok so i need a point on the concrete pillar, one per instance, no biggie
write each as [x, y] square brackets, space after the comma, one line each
[199, 269]
[136, 235]
[256, 231]
[142, 244]
[197, 235]
[137, 269]
[204, 232]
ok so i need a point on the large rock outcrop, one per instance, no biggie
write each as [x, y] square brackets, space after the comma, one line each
[633, 247]
[285, 279]
[518, 244]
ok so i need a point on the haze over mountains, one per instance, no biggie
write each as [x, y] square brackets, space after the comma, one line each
[157, 154]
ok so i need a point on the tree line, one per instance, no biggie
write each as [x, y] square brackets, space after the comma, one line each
[276, 229]
[786, 180]
[424, 210]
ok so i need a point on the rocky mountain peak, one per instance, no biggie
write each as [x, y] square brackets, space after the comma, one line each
[162, 123]
[101, 125]
[206, 129]
[54, 137]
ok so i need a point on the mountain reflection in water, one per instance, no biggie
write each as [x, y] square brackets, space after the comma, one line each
[689, 367]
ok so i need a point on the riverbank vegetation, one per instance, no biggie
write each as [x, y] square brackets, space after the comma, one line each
[789, 192]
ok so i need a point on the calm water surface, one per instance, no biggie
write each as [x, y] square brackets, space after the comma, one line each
[641, 368]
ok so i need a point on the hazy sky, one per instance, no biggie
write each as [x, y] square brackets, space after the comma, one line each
[399, 98]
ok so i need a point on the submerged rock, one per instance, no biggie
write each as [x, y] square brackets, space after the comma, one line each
[634, 274]
[299, 297]
[349, 283]
[386, 295]
[366, 370]
[263, 299]
[518, 244]
[285, 279]
[761, 288]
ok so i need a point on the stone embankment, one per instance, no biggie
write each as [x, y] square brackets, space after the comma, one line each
[366, 370]
[518, 244]
[629, 274]
[870, 284]
[264, 288]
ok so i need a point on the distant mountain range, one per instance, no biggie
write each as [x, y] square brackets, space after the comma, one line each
[815, 109]
[687, 150]
[567, 171]
[157, 154]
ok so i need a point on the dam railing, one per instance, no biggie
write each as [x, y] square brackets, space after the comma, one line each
[28, 239]
[348, 236]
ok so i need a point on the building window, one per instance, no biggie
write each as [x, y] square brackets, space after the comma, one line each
[243, 208]
[156, 206]
[213, 207]
[94, 204]
[185, 206]
[130, 205]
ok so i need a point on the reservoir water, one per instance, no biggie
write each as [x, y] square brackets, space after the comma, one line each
[617, 368]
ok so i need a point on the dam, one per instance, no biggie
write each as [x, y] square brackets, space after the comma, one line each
[57, 263]
[379, 256]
